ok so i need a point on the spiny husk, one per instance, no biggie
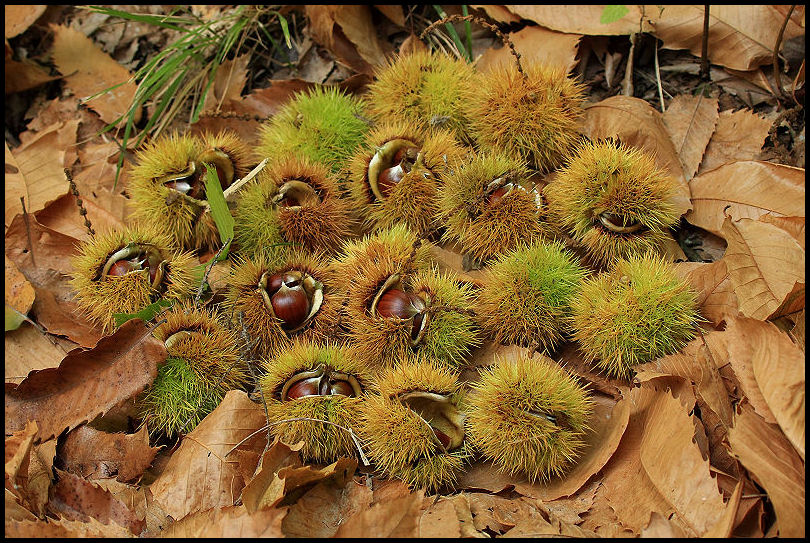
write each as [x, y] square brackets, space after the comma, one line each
[534, 119]
[178, 399]
[526, 299]
[131, 292]
[184, 218]
[398, 440]
[505, 419]
[211, 351]
[259, 224]
[607, 176]
[243, 296]
[322, 442]
[637, 312]
[485, 229]
[412, 201]
[431, 89]
[323, 124]
[392, 250]
[232, 145]
[450, 333]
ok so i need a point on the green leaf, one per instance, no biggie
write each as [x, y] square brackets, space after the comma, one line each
[146, 314]
[611, 14]
[285, 29]
[219, 208]
[13, 318]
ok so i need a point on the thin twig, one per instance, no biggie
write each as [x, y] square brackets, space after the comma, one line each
[776, 75]
[704, 50]
[82, 210]
[658, 78]
[627, 84]
[208, 271]
[28, 230]
[236, 185]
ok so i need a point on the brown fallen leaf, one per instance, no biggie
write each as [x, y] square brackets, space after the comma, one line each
[792, 225]
[63, 216]
[15, 511]
[778, 369]
[40, 476]
[73, 498]
[93, 454]
[51, 250]
[24, 75]
[229, 522]
[320, 511]
[439, 520]
[601, 519]
[347, 32]
[138, 499]
[765, 265]
[199, 475]
[449, 259]
[676, 467]
[65, 528]
[691, 122]
[19, 295]
[584, 19]
[35, 169]
[738, 135]
[28, 349]
[88, 70]
[715, 295]
[775, 465]
[18, 456]
[264, 475]
[393, 12]
[499, 13]
[740, 37]
[398, 517]
[86, 383]
[797, 334]
[638, 124]
[535, 44]
[749, 189]
[230, 78]
[18, 18]
[740, 359]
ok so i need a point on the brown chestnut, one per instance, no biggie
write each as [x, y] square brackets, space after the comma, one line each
[121, 267]
[498, 195]
[304, 387]
[443, 438]
[291, 305]
[395, 303]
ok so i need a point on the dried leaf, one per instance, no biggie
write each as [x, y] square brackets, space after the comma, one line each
[499, 13]
[715, 294]
[676, 467]
[22, 76]
[740, 358]
[76, 499]
[440, 521]
[228, 83]
[63, 215]
[601, 519]
[638, 124]
[398, 517]
[199, 475]
[86, 383]
[778, 368]
[691, 122]
[792, 225]
[320, 511]
[348, 33]
[584, 19]
[40, 476]
[51, 250]
[88, 70]
[19, 296]
[14, 510]
[774, 464]
[94, 454]
[450, 260]
[257, 492]
[18, 455]
[765, 264]
[740, 37]
[749, 190]
[229, 522]
[28, 349]
[35, 170]
[65, 528]
[392, 12]
[534, 44]
[738, 135]
[18, 18]
[660, 527]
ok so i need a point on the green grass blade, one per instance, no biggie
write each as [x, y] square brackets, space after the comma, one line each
[219, 207]
[453, 34]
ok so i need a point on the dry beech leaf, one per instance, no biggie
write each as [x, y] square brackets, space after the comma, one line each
[228, 522]
[86, 383]
[740, 36]
[774, 464]
[28, 349]
[19, 292]
[499, 13]
[35, 170]
[534, 44]
[675, 466]
[440, 520]
[54, 529]
[63, 216]
[738, 135]
[691, 122]
[638, 124]
[73, 498]
[199, 476]
[741, 359]
[94, 454]
[607, 426]
[715, 294]
[697, 362]
[40, 476]
[347, 32]
[792, 225]
[19, 18]
[750, 189]
[22, 76]
[320, 511]
[584, 19]
[778, 367]
[88, 70]
[228, 83]
[765, 265]
[393, 12]
[266, 481]
[450, 260]
[398, 517]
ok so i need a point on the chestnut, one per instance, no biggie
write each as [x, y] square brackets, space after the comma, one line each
[290, 304]
[292, 296]
[498, 195]
[321, 381]
[395, 303]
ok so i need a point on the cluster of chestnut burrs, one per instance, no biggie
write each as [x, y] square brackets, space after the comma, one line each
[333, 288]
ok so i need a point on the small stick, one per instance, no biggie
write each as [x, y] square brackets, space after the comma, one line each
[776, 75]
[704, 50]
[208, 271]
[230, 191]
[28, 230]
[82, 210]
[658, 79]
[628, 71]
